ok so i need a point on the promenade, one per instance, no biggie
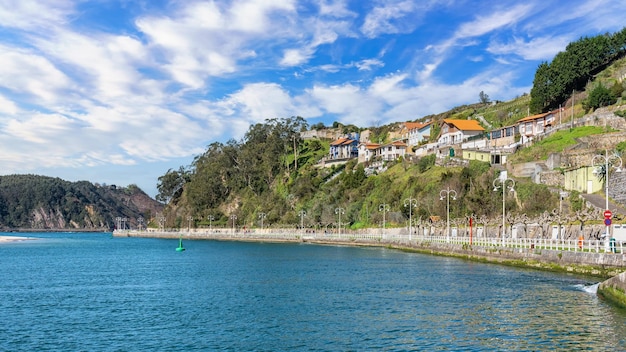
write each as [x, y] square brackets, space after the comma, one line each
[591, 257]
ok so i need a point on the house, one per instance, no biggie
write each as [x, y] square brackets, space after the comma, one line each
[415, 132]
[344, 148]
[503, 136]
[456, 131]
[534, 125]
[367, 151]
[493, 157]
[582, 179]
[392, 151]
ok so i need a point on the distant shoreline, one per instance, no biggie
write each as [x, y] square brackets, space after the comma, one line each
[53, 230]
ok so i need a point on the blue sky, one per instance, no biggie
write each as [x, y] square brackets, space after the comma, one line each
[118, 92]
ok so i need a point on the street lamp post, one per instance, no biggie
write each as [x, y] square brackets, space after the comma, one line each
[210, 218]
[447, 192]
[384, 208]
[233, 217]
[302, 214]
[140, 222]
[609, 161]
[339, 211]
[502, 185]
[261, 217]
[189, 220]
[411, 203]
[161, 220]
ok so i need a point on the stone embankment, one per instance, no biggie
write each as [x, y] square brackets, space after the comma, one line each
[614, 289]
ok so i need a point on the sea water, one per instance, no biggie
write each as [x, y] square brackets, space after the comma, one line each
[93, 292]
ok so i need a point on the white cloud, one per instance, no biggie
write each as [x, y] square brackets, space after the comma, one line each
[543, 48]
[7, 107]
[34, 14]
[295, 57]
[369, 64]
[27, 73]
[387, 19]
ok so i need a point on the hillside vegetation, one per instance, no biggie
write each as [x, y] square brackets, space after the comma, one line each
[270, 173]
[47, 203]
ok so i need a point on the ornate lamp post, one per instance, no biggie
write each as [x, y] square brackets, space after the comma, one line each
[446, 193]
[503, 185]
[384, 208]
[339, 211]
[302, 214]
[233, 217]
[609, 161]
[189, 220]
[261, 217]
[411, 203]
[210, 218]
[161, 220]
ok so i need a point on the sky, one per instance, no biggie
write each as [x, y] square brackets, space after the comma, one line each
[117, 92]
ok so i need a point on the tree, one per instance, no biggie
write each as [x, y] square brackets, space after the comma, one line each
[484, 98]
[171, 184]
[600, 96]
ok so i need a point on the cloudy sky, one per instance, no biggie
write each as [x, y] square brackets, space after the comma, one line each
[120, 91]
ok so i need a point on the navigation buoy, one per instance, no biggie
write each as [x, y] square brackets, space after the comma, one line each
[180, 247]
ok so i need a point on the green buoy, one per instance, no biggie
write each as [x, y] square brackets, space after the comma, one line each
[180, 247]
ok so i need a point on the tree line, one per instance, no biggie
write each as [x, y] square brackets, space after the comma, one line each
[572, 69]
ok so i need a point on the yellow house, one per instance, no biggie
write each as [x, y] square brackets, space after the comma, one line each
[582, 180]
[479, 155]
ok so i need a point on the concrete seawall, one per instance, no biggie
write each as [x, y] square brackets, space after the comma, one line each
[614, 289]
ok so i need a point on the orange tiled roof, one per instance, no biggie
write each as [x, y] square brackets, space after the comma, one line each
[465, 125]
[342, 141]
[372, 145]
[415, 125]
[534, 117]
[398, 143]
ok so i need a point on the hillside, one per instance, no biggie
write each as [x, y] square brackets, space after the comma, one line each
[269, 176]
[46, 203]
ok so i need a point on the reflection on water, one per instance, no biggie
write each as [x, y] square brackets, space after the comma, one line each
[94, 292]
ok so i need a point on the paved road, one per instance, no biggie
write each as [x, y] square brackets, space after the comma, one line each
[599, 202]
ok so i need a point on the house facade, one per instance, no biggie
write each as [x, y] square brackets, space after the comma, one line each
[504, 136]
[415, 133]
[392, 151]
[344, 148]
[456, 131]
[367, 151]
[531, 126]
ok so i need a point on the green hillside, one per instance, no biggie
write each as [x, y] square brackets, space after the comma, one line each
[271, 172]
[47, 203]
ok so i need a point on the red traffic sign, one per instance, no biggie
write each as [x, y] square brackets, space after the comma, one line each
[608, 214]
[607, 222]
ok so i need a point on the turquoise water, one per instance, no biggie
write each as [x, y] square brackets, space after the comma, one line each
[92, 292]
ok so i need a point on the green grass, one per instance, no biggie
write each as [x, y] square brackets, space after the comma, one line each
[555, 143]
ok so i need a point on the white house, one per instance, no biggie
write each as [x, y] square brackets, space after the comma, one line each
[456, 131]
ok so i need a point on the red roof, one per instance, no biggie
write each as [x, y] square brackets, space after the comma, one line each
[534, 117]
